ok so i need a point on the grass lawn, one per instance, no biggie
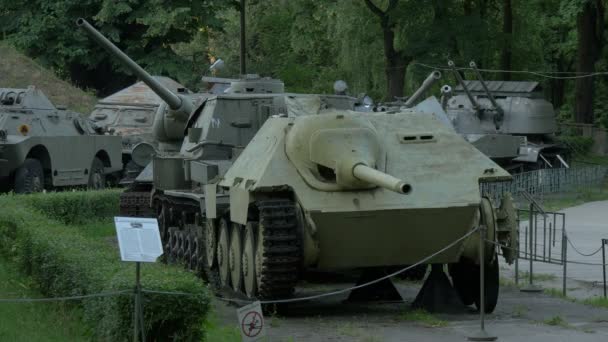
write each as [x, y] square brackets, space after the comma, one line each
[557, 202]
[46, 321]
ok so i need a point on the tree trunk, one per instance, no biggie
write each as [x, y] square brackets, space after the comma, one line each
[507, 30]
[588, 48]
[396, 62]
[395, 65]
[558, 85]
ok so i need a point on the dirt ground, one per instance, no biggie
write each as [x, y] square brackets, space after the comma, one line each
[518, 317]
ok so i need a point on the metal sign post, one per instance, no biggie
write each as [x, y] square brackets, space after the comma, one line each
[139, 241]
[604, 243]
[482, 335]
[138, 318]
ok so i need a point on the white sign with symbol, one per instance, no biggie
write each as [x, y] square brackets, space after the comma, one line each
[138, 239]
[251, 322]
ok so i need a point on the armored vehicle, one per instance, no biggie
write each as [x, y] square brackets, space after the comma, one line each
[44, 147]
[130, 113]
[269, 186]
[509, 121]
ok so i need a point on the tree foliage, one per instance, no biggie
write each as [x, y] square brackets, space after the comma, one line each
[311, 43]
[145, 29]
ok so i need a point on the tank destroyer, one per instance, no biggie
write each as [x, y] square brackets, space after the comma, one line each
[268, 186]
[44, 147]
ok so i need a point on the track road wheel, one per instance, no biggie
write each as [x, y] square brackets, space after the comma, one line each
[29, 177]
[97, 177]
[222, 253]
[180, 251]
[235, 255]
[170, 246]
[465, 280]
[187, 248]
[248, 261]
[492, 285]
[194, 255]
[210, 242]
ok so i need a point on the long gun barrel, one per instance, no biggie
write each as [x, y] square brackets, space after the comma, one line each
[381, 179]
[464, 86]
[498, 109]
[428, 82]
[176, 102]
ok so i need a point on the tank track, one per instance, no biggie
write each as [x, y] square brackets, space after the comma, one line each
[281, 248]
[136, 204]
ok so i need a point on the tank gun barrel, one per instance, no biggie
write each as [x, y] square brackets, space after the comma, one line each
[428, 82]
[176, 102]
[487, 91]
[464, 86]
[381, 179]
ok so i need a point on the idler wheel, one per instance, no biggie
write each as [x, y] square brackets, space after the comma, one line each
[210, 242]
[248, 261]
[235, 254]
[222, 253]
[465, 280]
[491, 280]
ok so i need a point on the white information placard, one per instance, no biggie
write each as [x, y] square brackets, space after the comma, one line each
[138, 239]
[251, 322]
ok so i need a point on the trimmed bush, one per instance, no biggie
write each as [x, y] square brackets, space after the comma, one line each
[78, 207]
[65, 262]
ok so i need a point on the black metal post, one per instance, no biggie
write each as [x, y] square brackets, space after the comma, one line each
[531, 236]
[243, 40]
[138, 319]
[564, 260]
[482, 334]
[604, 242]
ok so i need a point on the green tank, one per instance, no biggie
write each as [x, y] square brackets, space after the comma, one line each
[46, 147]
[267, 187]
[130, 113]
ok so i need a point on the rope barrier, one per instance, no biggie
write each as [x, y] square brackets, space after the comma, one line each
[541, 260]
[545, 74]
[328, 294]
[583, 254]
[58, 299]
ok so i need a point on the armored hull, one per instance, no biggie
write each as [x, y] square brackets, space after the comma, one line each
[44, 147]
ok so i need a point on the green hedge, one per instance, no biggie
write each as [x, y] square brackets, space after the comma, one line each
[65, 262]
[78, 207]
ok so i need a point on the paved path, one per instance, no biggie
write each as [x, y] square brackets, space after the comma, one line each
[518, 317]
[586, 225]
